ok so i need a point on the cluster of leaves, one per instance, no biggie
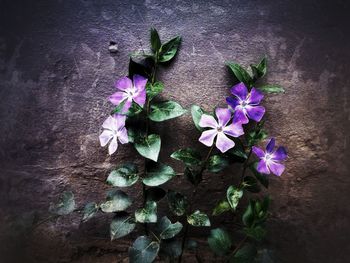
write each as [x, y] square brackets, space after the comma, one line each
[160, 236]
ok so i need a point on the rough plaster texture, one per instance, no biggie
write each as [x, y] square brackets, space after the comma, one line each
[56, 73]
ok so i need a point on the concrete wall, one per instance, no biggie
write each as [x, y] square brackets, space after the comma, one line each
[56, 73]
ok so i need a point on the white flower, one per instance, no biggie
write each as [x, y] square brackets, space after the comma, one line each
[114, 130]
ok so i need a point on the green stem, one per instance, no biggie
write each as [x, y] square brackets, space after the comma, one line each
[239, 245]
[245, 165]
[155, 236]
[194, 192]
[44, 221]
[144, 189]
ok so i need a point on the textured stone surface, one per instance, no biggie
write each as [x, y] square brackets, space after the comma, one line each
[56, 72]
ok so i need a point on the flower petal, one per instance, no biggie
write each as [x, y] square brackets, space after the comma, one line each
[139, 82]
[270, 145]
[255, 97]
[207, 137]
[276, 168]
[223, 143]
[120, 121]
[240, 91]
[232, 102]
[280, 154]
[113, 146]
[240, 117]
[262, 167]
[207, 121]
[117, 97]
[123, 83]
[123, 136]
[223, 115]
[105, 137]
[110, 123]
[127, 105]
[258, 152]
[140, 97]
[255, 112]
[234, 129]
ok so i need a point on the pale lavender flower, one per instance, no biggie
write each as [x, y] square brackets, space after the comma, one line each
[246, 105]
[114, 130]
[220, 129]
[270, 159]
[130, 91]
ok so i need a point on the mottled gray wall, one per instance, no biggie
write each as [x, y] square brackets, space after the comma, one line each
[56, 73]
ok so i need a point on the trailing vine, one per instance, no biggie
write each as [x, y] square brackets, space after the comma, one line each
[231, 133]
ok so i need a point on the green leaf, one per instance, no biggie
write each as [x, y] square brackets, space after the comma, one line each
[221, 207]
[177, 202]
[259, 70]
[134, 110]
[139, 69]
[90, 210]
[193, 174]
[237, 153]
[171, 248]
[124, 176]
[191, 244]
[162, 111]
[217, 163]
[256, 232]
[119, 108]
[166, 229]
[117, 200]
[254, 137]
[251, 184]
[272, 89]
[240, 73]
[246, 254]
[168, 50]
[233, 196]
[155, 194]
[197, 113]
[263, 179]
[188, 155]
[155, 40]
[248, 215]
[219, 241]
[256, 212]
[132, 134]
[121, 225]
[144, 250]
[198, 219]
[154, 89]
[148, 214]
[149, 147]
[158, 174]
[65, 205]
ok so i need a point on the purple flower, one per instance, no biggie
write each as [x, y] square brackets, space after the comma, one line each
[246, 104]
[219, 129]
[270, 159]
[130, 91]
[114, 130]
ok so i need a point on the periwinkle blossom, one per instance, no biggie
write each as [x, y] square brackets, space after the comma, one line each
[114, 130]
[130, 91]
[246, 104]
[270, 159]
[220, 129]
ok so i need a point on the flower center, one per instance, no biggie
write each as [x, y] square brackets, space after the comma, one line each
[244, 104]
[219, 129]
[267, 158]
